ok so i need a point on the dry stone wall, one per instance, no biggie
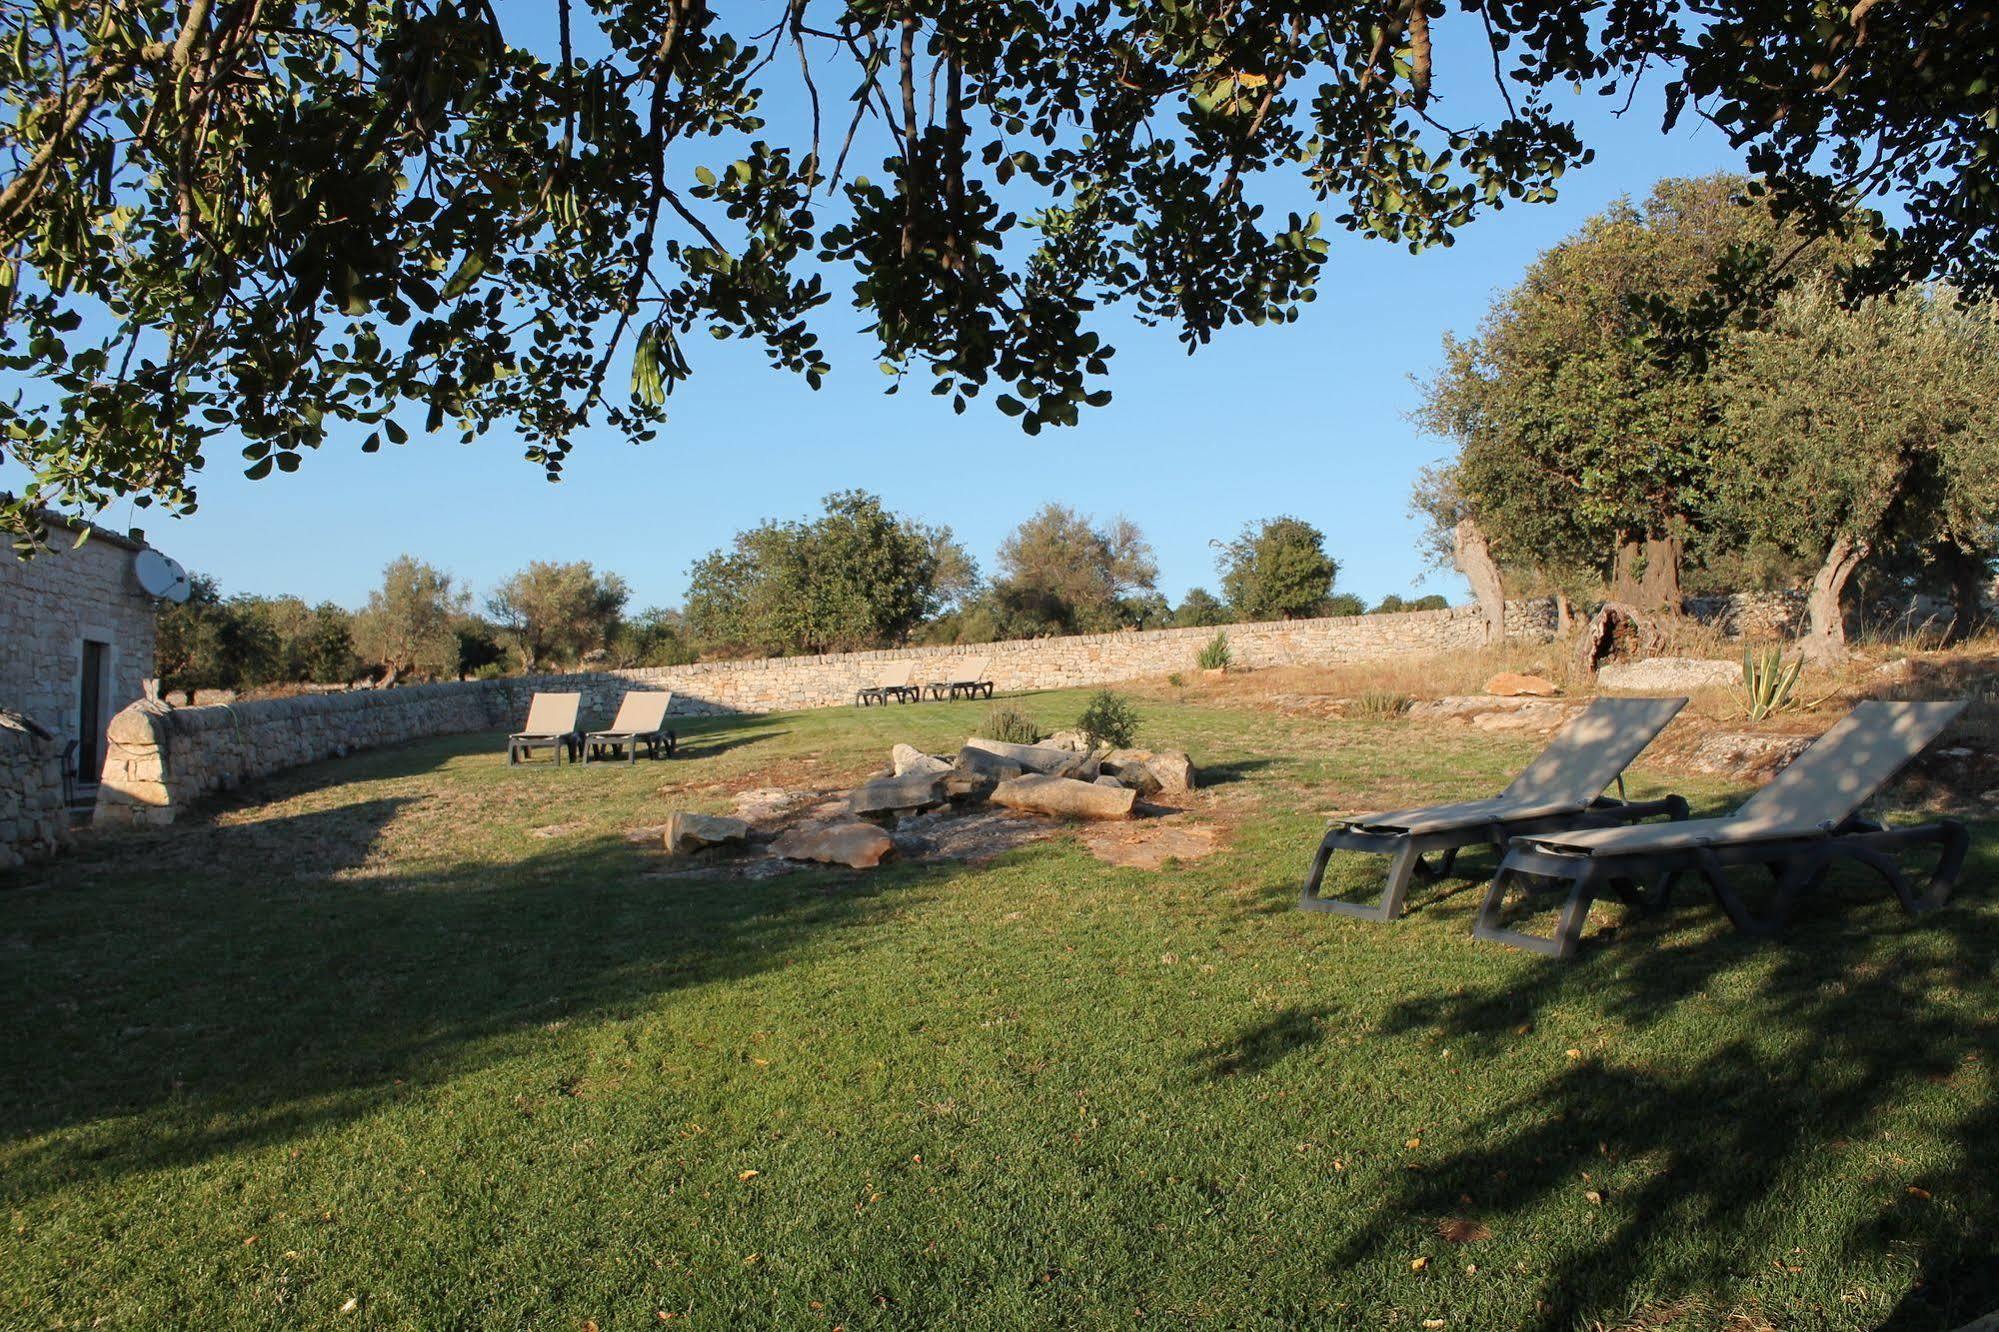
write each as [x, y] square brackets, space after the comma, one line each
[162, 757]
[33, 819]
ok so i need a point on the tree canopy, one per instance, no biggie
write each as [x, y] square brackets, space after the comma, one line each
[274, 224]
[409, 623]
[856, 577]
[1277, 569]
[1817, 431]
[557, 612]
[1060, 572]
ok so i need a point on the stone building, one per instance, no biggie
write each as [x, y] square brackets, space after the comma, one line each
[76, 645]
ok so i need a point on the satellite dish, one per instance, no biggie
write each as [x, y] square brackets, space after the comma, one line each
[160, 575]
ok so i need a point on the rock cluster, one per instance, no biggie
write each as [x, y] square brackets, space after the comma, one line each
[1066, 780]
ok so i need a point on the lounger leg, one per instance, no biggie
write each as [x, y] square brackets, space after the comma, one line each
[1394, 892]
[1568, 928]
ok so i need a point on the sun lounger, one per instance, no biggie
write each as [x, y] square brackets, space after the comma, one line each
[1562, 788]
[1797, 828]
[967, 678]
[551, 723]
[892, 683]
[640, 723]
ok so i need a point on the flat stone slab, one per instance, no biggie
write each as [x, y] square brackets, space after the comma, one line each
[898, 795]
[1668, 673]
[687, 833]
[854, 844]
[1512, 684]
[1031, 758]
[1746, 754]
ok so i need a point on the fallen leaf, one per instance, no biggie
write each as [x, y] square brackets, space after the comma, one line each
[1595, 1198]
[1433, 1322]
[1413, 1143]
[1915, 1192]
[748, 1175]
[1418, 1264]
[1575, 1054]
[1463, 1230]
[352, 1304]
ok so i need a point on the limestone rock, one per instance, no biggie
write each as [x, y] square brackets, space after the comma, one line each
[854, 844]
[1070, 740]
[1032, 758]
[1512, 684]
[1065, 796]
[1151, 772]
[1670, 673]
[1174, 770]
[1746, 754]
[987, 763]
[687, 833]
[1105, 779]
[908, 759]
[899, 795]
[1539, 715]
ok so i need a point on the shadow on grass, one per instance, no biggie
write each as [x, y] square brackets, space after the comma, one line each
[219, 987]
[1813, 1048]
[1236, 770]
[1259, 1047]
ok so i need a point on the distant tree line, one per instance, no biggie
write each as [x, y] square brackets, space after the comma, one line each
[856, 576]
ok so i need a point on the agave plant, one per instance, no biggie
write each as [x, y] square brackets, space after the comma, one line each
[1769, 683]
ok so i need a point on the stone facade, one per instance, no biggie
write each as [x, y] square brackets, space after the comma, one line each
[34, 822]
[69, 607]
[163, 757]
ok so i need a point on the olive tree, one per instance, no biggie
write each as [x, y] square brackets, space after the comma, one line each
[1849, 429]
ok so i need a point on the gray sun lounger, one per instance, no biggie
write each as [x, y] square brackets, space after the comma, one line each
[968, 680]
[1562, 788]
[1797, 828]
[551, 724]
[640, 724]
[894, 683]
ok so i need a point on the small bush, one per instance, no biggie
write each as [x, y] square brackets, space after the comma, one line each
[1177, 680]
[1769, 683]
[1009, 724]
[1379, 705]
[1215, 656]
[1109, 720]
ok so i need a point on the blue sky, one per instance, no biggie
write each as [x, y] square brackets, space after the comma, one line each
[1308, 419]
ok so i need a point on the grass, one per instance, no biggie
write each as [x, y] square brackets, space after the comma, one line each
[434, 1037]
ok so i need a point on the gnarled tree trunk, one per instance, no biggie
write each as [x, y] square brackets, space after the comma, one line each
[1473, 555]
[1825, 622]
[1647, 575]
[1969, 575]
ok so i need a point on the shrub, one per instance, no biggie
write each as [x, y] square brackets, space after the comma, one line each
[1109, 720]
[1379, 705]
[1215, 656]
[1177, 680]
[1009, 724]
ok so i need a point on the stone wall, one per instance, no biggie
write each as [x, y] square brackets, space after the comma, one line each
[49, 606]
[164, 757]
[34, 822]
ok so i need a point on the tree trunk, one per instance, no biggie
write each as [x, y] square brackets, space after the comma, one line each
[1647, 575]
[1565, 615]
[1968, 576]
[1473, 555]
[1825, 623]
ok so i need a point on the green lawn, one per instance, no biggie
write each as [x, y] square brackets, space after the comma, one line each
[419, 1032]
